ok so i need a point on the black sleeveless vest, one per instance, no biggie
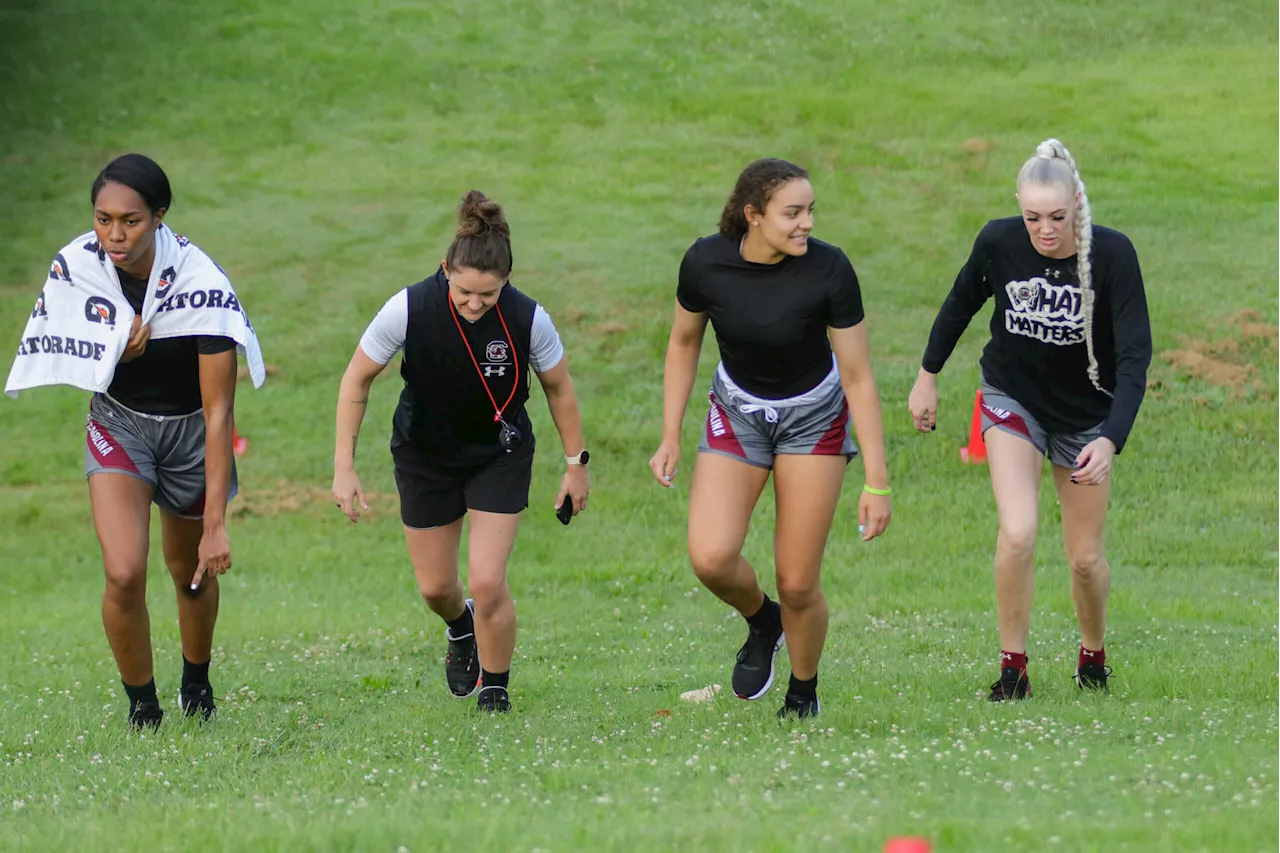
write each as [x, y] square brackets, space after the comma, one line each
[443, 409]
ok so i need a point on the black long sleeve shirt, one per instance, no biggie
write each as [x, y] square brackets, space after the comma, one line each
[1037, 349]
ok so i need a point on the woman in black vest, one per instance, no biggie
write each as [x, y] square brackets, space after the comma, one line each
[461, 439]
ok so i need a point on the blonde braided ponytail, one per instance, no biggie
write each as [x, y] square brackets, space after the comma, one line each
[1047, 167]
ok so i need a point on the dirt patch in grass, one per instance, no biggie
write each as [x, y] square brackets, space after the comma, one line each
[242, 372]
[289, 497]
[609, 328]
[1229, 356]
[977, 145]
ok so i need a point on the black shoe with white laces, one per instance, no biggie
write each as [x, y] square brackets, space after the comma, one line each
[1013, 684]
[461, 661]
[799, 707]
[145, 715]
[1093, 676]
[753, 672]
[196, 700]
[493, 700]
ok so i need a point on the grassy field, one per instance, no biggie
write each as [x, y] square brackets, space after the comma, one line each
[317, 150]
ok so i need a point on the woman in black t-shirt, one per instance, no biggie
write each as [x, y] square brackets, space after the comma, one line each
[162, 433]
[795, 368]
[1063, 375]
[461, 439]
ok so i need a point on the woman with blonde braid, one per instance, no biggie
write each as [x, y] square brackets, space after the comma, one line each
[1063, 374]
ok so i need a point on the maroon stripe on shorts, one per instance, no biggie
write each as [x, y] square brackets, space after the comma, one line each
[720, 435]
[1003, 417]
[106, 451]
[832, 441]
[196, 510]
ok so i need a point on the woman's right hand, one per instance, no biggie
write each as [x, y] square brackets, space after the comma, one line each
[664, 462]
[923, 402]
[138, 337]
[347, 491]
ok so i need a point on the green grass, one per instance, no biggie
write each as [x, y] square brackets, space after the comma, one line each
[318, 150]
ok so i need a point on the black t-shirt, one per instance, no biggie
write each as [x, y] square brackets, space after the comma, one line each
[165, 379]
[771, 320]
[1037, 349]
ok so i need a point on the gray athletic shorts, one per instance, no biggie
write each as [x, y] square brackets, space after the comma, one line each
[1003, 412]
[167, 452]
[756, 430]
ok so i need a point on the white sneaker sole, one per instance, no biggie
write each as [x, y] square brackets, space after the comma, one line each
[773, 668]
[471, 607]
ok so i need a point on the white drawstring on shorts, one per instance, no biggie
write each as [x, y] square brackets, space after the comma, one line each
[749, 404]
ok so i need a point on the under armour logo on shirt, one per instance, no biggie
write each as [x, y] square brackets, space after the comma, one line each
[495, 370]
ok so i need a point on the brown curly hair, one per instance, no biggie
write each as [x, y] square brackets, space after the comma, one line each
[483, 239]
[755, 186]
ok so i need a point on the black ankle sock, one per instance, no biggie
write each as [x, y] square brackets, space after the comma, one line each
[194, 673]
[803, 689]
[768, 616]
[144, 693]
[463, 625]
[494, 679]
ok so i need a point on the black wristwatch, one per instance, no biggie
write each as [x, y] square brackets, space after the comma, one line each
[580, 459]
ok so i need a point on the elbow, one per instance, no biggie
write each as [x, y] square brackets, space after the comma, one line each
[857, 380]
[685, 340]
[217, 413]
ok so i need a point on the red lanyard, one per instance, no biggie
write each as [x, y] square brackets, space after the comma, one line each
[511, 346]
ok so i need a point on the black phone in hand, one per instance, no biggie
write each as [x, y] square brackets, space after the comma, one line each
[565, 512]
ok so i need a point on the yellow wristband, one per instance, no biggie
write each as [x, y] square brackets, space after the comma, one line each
[874, 491]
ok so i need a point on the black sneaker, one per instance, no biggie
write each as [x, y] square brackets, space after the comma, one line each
[1013, 684]
[494, 700]
[753, 673]
[1093, 676]
[462, 662]
[799, 707]
[196, 700]
[145, 715]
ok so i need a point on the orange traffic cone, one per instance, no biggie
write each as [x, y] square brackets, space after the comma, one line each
[238, 445]
[975, 452]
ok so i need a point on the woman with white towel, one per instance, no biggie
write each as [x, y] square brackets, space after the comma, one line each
[161, 430]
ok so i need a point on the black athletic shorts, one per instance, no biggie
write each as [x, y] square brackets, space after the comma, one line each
[433, 494]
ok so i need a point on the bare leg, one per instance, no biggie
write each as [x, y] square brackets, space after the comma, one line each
[1084, 516]
[434, 554]
[1016, 466]
[492, 537]
[197, 612]
[723, 494]
[122, 518]
[807, 489]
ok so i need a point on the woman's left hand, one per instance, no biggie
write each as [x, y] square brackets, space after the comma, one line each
[1093, 465]
[575, 486]
[214, 554]
[874, 512]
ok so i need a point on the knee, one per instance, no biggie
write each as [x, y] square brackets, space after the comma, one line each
[436, 589]
[182, 570]
[126, 581]
[1086, 562]
[1018, 540]
[712, 564]
[488, 589]
[799, 595]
